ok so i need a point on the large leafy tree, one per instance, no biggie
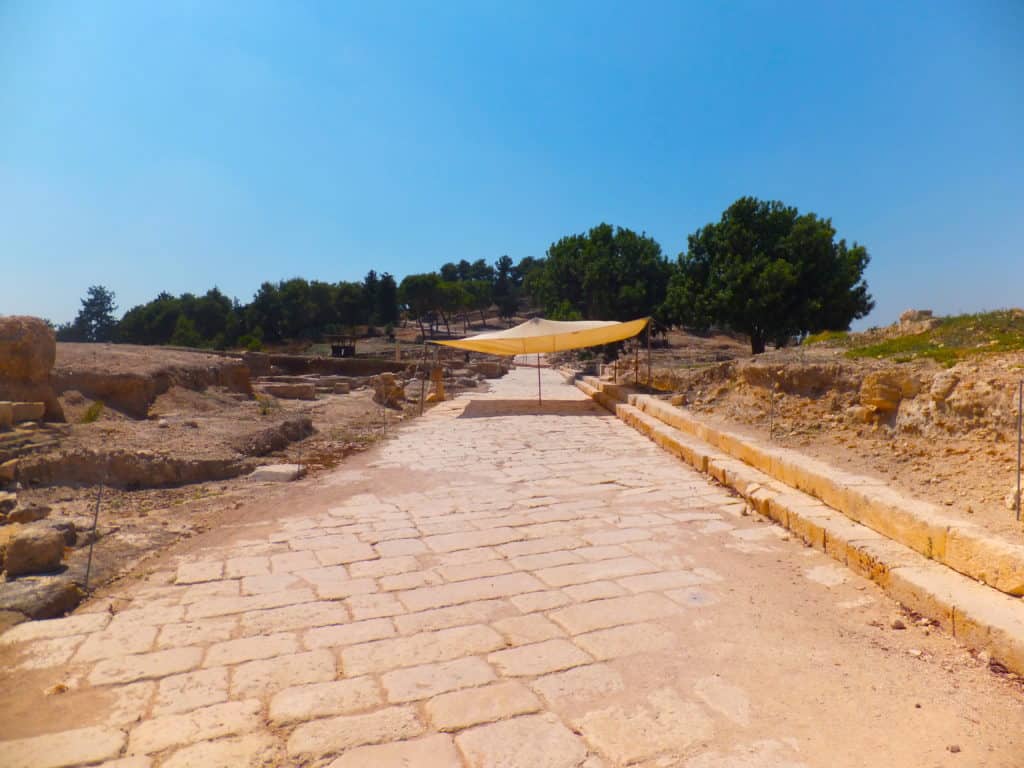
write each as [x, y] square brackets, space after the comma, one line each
[768, 271]
[608, 273]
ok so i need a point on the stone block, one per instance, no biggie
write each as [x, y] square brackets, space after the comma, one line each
[426, 680]
[338, 697]
[348, 634]
[594, 681]
[425, 647]
[523, 630]
[145, 666]
[192, 690]
[250, 649]
[229, 719]
[336, 734]
[67, 748]
[463, 709]
[531, 741]
[565, 575]
[267, 676]
[469, 591]
[254, 750]
[34, 549]
[276, 473]
[431, 752]
[538, 658]
[27, 412]
[600, 614]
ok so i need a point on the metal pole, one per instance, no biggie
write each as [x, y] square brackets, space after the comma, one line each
[636, 362]
[771, 411]
[538, 379]
[649, 354]
[92, 537]
[1020, 428]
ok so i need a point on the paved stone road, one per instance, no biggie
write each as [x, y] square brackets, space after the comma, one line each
[502, 585]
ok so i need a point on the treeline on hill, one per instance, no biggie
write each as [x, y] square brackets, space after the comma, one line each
[763, 269]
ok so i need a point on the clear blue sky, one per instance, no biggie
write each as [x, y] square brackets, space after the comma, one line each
[175, 145]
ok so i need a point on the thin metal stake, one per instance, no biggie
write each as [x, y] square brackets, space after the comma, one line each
[1020, 428]
[649, 380]
[538, 379]
[92, 537]
[771, 411]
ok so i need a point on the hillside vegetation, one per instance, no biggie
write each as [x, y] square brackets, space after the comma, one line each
[949, 341]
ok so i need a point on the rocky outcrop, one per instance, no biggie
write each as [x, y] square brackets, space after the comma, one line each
[134, 393]
[277, 437]
[28, 349]
[39, 597]
[125, 469]
[917, 321]
[33, 549]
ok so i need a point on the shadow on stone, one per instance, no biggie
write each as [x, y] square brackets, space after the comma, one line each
[482, 409]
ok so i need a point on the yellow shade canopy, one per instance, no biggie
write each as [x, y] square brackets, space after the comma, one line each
[539, 336]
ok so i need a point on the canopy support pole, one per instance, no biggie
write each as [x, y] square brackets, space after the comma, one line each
[538, 379]
[649, 354]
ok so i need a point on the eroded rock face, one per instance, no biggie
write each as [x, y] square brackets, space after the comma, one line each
[882, 391]
[33, 549]
[28, 350]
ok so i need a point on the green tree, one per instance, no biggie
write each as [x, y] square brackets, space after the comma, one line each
[185, 333]
[386, 305]
[609, 273]
[767, 271]
[480, 297]
[420, 294]
[95, 320]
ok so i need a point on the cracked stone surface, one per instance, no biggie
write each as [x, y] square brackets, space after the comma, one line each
[503, 584]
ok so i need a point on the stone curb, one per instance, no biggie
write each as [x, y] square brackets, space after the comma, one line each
[976, 614]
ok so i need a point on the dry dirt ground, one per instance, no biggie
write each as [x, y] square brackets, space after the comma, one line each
[210, 428]
[959, 452]
[501, 584]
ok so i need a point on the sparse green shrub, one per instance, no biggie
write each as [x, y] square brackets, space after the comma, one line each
[250, 343]
[92, 413]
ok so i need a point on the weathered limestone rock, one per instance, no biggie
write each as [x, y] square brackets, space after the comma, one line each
[33, 550]
[7, 470]
[276, 473]
[8, 501]
[437, 393]
[28, 513]
[290, 391]
[28, 349]
[387, 391]
[882, 391]
[39, 597]
[917, 321]
[28, 411]
[6, 415]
